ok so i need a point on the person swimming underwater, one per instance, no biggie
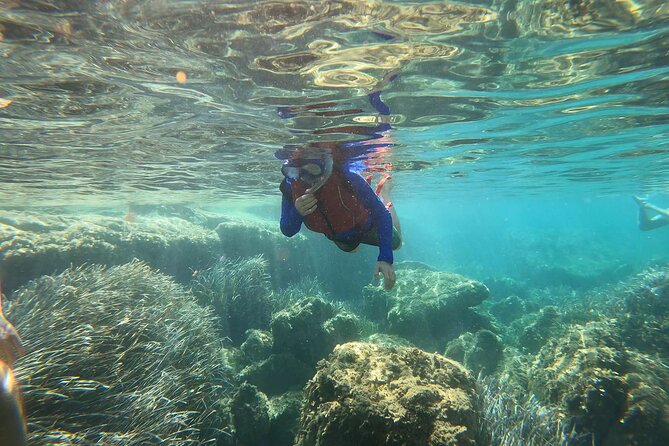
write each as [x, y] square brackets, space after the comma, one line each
[647, 221]
[329, 198]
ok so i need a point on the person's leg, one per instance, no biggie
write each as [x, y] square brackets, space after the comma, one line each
[383, 190]
[648, 222]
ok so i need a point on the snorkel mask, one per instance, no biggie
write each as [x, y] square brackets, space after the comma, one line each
[314, 172]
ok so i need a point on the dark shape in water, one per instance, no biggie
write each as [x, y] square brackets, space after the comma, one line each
[12, 424]
[12, 427]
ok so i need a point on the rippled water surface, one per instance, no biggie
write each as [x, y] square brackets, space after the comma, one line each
[170, 101]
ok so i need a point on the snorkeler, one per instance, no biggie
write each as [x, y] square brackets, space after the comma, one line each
[322, 191]
[647, 221]
[330, 199]
[12, 425]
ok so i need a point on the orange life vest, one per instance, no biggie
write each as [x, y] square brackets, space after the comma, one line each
[338, 209]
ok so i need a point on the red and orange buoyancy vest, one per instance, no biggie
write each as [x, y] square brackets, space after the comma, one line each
[338, 210]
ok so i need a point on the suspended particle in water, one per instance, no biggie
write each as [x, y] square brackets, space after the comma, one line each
[4, 103]
[181, 77]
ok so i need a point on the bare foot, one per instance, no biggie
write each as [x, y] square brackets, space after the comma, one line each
[385, 186]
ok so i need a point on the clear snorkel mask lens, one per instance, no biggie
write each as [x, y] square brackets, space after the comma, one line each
[313, 172]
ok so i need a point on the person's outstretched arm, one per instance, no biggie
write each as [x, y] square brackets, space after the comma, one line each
[291, 220]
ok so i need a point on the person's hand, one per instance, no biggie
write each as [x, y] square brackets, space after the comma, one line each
[306, 204]
[388, 272]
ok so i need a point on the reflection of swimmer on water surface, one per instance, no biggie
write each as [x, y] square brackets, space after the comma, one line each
[651, 216]
[12, 425]
[322, 190]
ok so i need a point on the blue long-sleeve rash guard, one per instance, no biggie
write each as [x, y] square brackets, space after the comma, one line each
[291, 220]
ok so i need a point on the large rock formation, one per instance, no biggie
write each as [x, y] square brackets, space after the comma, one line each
[33, 245]
[616, 395]
[366, 394]
[427, 307]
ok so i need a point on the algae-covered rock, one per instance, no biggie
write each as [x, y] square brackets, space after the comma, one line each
[508, 309]
[532, 331]
[285, 417]
[32, 245]
[480, 352]
[250, 414]
[617, 395]
[387, 340]
[366, 394]
[427, 307]
[262, 421]
[310, 329]
[257, 346]
[303, 334]
[117, 356]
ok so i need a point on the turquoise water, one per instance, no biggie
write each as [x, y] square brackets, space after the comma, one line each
[519, 131]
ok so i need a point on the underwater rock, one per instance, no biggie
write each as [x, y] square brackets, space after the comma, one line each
[278, 373]
[250, 416]
[386, 340]
[508, 309]
[257, 346]
[31, 245]
[366, 394]
[262, 421]
[303, 334]
[200, 217]
[615, 395]
[117, 356]
[480, 352]
[427, 307]
[285, 417]
[531, 332]
[240, 292]
[311, 328]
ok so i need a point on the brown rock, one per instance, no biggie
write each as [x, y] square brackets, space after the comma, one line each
[367, 394]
